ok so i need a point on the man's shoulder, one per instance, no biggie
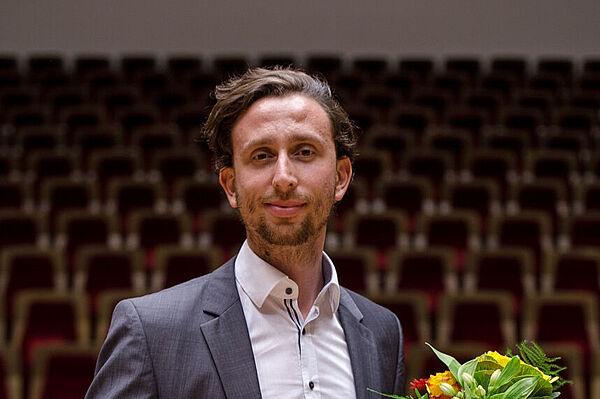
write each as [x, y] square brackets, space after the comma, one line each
[187, 295]
[368, 308]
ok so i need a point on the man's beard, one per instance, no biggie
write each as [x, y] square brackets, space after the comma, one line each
[308, 229]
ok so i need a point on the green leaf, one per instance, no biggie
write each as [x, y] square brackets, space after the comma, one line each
[522, 388]
[469, 368]
[450, 362]
[389, 396]
[509, 371]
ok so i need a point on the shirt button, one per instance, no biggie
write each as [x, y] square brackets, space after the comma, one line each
[289, 291]
[311, 385]
[304, 331]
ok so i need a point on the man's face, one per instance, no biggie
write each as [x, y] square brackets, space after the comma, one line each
[285, 176]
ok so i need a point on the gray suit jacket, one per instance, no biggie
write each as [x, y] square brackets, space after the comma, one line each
[191, 341]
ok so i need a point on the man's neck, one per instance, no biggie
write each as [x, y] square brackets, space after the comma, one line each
[301, 263]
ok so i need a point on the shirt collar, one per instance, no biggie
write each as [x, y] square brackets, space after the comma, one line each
[259, 280]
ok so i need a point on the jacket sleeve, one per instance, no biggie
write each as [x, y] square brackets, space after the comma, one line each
[400, 368]
[124, 368]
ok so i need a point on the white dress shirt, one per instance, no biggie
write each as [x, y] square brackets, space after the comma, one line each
[295, 357]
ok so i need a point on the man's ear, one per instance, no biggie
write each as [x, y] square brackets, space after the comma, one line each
[343, 177]
[227, 181]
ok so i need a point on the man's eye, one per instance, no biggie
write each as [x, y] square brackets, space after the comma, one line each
[261, 156]
[305, 152]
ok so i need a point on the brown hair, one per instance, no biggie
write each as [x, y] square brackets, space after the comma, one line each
[236, 95]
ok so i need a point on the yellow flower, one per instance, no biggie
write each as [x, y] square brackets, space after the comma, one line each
[503, 361]
[434, 381]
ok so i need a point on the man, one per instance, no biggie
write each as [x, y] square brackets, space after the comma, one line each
[273, 322]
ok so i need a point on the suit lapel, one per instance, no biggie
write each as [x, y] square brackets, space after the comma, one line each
[227, 336]
[361, 347]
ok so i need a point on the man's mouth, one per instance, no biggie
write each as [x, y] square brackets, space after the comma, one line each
[286, 208]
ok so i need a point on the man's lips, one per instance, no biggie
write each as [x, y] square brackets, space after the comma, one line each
[284, 208]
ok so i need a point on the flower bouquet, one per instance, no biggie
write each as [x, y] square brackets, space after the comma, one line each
[492, 376]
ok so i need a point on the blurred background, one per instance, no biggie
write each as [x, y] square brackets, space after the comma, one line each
[474, 214]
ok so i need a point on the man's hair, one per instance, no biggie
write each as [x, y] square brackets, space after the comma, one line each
[236, 95]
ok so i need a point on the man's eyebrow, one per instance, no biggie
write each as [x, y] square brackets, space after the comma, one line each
[297, 138]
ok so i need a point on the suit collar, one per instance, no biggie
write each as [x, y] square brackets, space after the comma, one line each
[235, 364]
[227, 337]
[362, 347]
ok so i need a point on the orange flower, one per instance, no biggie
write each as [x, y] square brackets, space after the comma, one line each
[433, 385]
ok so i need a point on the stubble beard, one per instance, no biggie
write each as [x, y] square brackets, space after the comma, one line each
[307, 231]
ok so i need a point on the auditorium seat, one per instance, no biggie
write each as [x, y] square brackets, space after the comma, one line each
[137, 116]
[538, 101]
[15, 97]
[576, 269]
[127, 195]
[524, 120]
[43, 165]
[468, 66]
[414, 119]
[432, 99]
[110, 164]
[528, 229]
[272, 60]
[22, 228]
[11, 378]
[152, 139]
[175, 265]
[181, 66]
[372, 165]
[175, 164]
[41, 63]
[430, 272]
[8, 165]
[468, 120]
[488, 102]
[90, 140]
[105, 303]
[99, 269]
[43, 317]
[547, 195]
[326, 64]
[513, 65]
[565, 317]
[194, 197]
[410, 196]
[435, 165]
[228, 66]
[79, 228]
[586, 198]
[551, 164]
[151, 83]
[498, 165]
[506, 269]
[382, 231]
[571, 357]
[149, 230]
[223, 230]
[411, 308]
[189, 119]
[24, 268]
[132, 65]
[371, 66]
[422, 67]
[480, 317]
[63, 98]
[8, 62]
[402, 84]
[117, 97]
[577, 120]
[514, 142]
[561, 66]
[481, 196]
[501, 83]
[21, 116]
[85, 64]
[15, 195]
[62, 371]
[389, 139]
[357, 269]
[581, 231]
[79, 116]
[457, 230]
[38, 138]
[63, 194]
[454, 142]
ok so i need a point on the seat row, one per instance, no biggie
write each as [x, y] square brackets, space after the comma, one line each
[48, 320]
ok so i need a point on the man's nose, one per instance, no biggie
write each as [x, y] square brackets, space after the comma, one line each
[284, 178]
